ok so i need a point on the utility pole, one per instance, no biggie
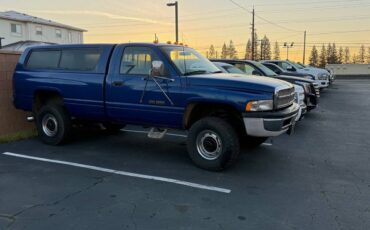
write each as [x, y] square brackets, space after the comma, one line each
[176, 5]
[1, 45]
[304, 48]
[253, 38]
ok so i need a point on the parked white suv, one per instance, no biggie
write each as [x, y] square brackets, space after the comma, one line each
[321, 75]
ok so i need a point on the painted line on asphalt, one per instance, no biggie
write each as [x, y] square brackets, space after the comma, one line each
[146, 132]
[123, 173]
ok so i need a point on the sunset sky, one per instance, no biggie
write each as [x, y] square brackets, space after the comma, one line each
[206, 22]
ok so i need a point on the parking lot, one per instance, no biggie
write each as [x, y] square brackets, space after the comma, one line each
[318, 178]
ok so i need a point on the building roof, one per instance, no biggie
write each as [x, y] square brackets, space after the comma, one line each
[16, 16]
[22, 45]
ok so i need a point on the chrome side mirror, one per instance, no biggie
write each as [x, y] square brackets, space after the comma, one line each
[157, 69]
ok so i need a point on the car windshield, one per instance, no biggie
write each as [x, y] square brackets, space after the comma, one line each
[188, 61]
[296, 65]
[232, 69]
[268, 72]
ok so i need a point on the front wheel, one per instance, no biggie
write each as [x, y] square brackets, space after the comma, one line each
[213, 144]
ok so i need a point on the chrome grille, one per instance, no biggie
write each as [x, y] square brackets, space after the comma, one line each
[284, 97]
[317, 89]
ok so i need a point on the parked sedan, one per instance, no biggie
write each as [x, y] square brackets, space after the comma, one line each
[299, 90]
[256, 68]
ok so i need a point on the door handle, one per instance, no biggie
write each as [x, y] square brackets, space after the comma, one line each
[117, 83]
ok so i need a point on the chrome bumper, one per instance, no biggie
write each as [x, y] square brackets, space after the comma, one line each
[271, 124]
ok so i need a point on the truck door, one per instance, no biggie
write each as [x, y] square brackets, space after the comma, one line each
[134, 97]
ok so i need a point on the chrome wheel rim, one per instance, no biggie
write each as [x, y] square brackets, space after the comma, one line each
[49, 125]
[209, 145]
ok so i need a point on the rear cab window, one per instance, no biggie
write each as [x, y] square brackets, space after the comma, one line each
[43, 59]
[71, 59]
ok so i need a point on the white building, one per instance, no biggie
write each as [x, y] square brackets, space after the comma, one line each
[350, 69]
[16, 28]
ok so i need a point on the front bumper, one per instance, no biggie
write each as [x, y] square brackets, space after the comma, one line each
[323, 83]
[270, 124]
[311, 101]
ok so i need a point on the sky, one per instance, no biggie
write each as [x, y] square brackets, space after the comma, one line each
[206, 22]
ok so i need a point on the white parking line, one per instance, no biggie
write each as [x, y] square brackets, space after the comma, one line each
[123, 173]
[146, 132]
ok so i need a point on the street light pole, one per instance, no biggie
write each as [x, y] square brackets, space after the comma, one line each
[287, 49]
[176, 5]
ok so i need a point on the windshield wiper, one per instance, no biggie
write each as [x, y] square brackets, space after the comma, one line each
[196, 72]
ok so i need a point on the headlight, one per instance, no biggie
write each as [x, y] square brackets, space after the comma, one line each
[256, 106]
[323, 76]
[309, 77]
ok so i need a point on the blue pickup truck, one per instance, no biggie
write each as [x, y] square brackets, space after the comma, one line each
[154, 85]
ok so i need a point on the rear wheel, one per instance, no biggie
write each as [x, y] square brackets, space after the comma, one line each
[213, 144]
[53, 124]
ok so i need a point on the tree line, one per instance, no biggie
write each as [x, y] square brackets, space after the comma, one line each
[330, 54]
[263, 50]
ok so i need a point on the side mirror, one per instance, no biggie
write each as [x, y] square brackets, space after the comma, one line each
[157, 69]
[291, 68]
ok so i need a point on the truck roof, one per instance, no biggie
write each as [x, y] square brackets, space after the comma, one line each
[102, 45]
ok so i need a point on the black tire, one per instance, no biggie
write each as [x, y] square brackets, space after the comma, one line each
[53, 124]
[250, 142]
[113, 128]
[212, 133]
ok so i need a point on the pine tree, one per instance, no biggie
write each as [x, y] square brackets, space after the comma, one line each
[266, 48]
[340, 55]
[362, 55]
[322, 58]
[248, 50]
[329, 54]
[314, 58]
[368, 55]
[334, 54]
[233, 54]
[347, 56]
[354, 59]
[212, 52]
[224, 52]
[277, 51]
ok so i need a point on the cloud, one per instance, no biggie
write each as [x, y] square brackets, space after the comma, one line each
[101, 14]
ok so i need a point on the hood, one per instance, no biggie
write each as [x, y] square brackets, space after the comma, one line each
[313, 70]
[239, 82]
[294, 79]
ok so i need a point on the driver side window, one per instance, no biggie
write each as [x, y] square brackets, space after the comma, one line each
[286, 66]
[137, 61]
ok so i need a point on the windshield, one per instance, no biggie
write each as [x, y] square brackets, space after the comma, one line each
[232, 69]
[188, 61]
[296, 65]
[265, 70]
